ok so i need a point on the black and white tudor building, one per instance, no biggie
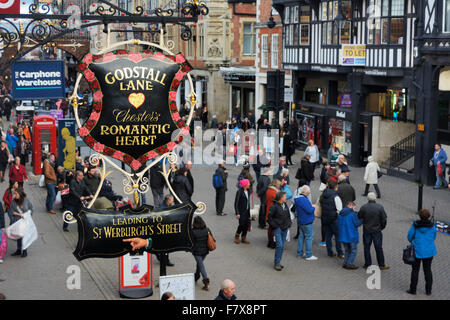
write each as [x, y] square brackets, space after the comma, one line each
[371, 76]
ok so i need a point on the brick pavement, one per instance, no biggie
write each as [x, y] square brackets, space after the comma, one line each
[42, 274]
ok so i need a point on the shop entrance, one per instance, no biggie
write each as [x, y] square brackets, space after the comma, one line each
[365, 145]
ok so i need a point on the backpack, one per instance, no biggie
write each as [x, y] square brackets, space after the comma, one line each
[217, 181]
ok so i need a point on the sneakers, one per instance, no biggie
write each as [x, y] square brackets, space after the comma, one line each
[350, 267]
[221, 214]
[341, 256]
[1, 260]
[278, 267]
[322, 244]
[312, 258]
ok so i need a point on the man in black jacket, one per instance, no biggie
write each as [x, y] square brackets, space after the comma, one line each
[78, 192]
[227, 291]
[374, 221]
[261, 188]
[220, 192]
[345, 191]
[157, 183]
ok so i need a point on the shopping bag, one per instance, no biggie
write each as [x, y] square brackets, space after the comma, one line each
[318, 211]
[58, 199]
[42, 181]
[17, 230]
[3, 245]
[31, 235]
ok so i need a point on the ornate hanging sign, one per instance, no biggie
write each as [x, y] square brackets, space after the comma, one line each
[101, 233]
[134, 113]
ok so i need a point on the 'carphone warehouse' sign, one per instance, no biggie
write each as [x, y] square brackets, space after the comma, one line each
[38, 80]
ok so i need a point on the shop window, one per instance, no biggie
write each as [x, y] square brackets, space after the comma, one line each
[385, 21]
[446, 16]
[392, 104]
[340, 132]
[328, 14]
[305, 20]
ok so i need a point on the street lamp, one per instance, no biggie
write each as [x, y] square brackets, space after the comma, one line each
[271, 23]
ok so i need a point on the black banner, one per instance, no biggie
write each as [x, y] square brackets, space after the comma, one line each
[101, 233]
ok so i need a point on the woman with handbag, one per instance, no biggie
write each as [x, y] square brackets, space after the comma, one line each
[19, 206]
[422, 235]
[242, 210]
[8, 198]
[200, 250]
[4, 159]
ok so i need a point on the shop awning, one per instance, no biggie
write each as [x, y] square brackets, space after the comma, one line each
[238, 74]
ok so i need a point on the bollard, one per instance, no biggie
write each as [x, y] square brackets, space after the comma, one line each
[420, 199]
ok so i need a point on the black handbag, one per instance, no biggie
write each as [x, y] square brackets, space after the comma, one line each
[379, 174]
[409, 256]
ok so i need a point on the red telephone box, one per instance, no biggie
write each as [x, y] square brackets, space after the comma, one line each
[44, 140]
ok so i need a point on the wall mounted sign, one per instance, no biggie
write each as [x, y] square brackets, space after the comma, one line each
[345, 100]
[38, 80]
[134, 110]
[101, 233]
[353, 55]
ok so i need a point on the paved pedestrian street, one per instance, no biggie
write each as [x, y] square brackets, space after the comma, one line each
[44, 273]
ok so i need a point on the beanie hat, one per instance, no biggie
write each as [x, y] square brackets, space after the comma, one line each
[244, 182]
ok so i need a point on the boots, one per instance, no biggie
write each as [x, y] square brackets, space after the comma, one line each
[196, 277]
[17, 253]
[206, 284]
[244, 240]
[236, 238]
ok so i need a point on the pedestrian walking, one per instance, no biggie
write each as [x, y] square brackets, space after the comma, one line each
[4, 159]
[325, 175]
[22, 150]
[220, 175]
[281, 165]
[214, 122]
[374, 221]
[245, 174]
[331, 205]
[305, 220]
[422, 235]
[371, 176]
[333, 154]
[50, 182]
[200, 249]
[157, 184]
[345, 190]
[227, 289]
[314, 155]
[242, 210]
[438, 161]
[189, 176]
[17, 172]
[348, 224]
[280, 221]
[261, 189]
[271, 193]
[288, 147]
[181, 185]
[78, 194]
[8, 198]
[12, 140]
[19, 206]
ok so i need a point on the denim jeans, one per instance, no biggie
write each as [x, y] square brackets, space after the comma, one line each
[51, 196]
[377, 239]
[280, 238]
[330, 231]
[306, 234]
[351, 250]
[200, 266]
[440, 180]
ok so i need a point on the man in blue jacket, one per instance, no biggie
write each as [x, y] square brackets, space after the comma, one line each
[348, 224]
[439, 158]
[305, 218]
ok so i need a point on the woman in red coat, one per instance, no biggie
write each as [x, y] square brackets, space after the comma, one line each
[271, 192]
[17, 172]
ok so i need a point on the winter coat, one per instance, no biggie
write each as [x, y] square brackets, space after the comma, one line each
[307, 170]
[329, 210]
[49, 173]
[348, 224]
[313, 152]
[288, 145]
[221, 296]
[373, 216]
[200, 240]
[304, 209]
[346, 192]
[423, 242]
[18, 175]
[77, 190]
[277, 175]
[440, 156]
[92, 182]
[371, 172]
[279, 216]
[332, 155]
[262, 186]
[182, 187]
[270, 196]
[242, 207]
[157, 181]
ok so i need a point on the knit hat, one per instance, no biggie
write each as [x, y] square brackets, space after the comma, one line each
[244, 182]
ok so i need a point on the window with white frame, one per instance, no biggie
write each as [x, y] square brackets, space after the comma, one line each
[249, 39]
[386, 21]
[446, 15]
[264, 51]
[274, 55]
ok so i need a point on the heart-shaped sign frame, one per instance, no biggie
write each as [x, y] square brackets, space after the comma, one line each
[91, 122]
